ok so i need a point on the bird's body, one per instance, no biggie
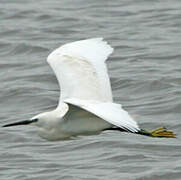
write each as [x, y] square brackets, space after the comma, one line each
[85, 105]
[75, 122]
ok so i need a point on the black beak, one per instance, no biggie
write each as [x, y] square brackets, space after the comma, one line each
[25, 122]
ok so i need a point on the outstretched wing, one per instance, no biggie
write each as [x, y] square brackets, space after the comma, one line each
[81, 70]
[110, 112]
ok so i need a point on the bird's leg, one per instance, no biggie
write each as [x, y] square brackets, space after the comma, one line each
[159, 132]
[115, 129]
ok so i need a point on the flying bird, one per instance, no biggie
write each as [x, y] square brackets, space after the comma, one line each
[85, 104]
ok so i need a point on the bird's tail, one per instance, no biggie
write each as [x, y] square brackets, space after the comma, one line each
[159, 132]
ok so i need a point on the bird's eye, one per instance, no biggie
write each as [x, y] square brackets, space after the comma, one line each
[34, 120]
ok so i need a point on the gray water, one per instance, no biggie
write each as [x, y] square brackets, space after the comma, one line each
[145, 72]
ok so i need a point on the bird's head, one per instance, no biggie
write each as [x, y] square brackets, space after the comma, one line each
[48, 123]
[41, 120]
[33, 121]
[46, 119]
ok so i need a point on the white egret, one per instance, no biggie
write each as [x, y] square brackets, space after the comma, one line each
[85, 104]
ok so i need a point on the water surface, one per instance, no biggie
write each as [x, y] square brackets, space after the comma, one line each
[145, 72]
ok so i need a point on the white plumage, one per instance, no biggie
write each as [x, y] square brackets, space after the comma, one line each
[85, 103]
[81, 70]
[82, 75]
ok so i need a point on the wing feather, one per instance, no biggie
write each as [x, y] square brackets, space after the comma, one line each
[110, 112]
[81, 70]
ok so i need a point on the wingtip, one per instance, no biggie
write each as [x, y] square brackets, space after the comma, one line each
[94, 49]
[102, 40]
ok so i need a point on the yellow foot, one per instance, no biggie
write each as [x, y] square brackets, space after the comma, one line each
[159, 132]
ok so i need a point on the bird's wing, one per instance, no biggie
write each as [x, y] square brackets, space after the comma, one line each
[81, 70]
[110, 112]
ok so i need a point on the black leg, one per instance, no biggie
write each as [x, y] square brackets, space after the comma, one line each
[116, 129]
[160, 132]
